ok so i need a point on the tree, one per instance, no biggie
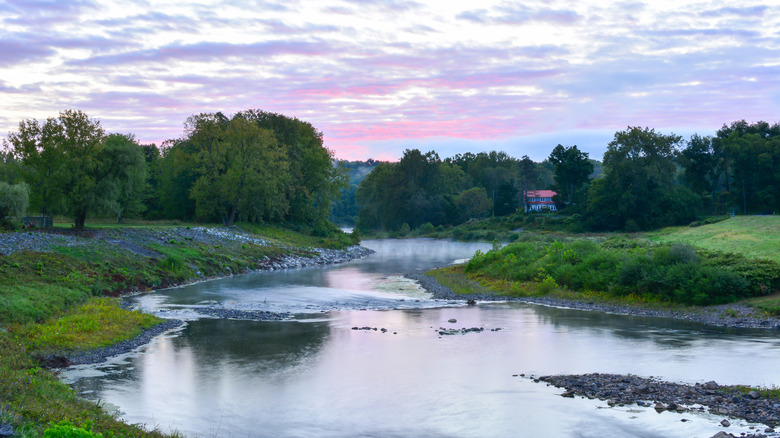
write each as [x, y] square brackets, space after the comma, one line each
[62, 161]
[638, 190]
[14, 200]
[240, 169]
[572, 168]
[313, 183]
[474, 204]
[527, 179]
[125, 175]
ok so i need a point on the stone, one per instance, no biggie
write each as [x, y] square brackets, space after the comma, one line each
[753, 394]
[722, 434]
[6, 430]
[568, 394]
[452, 320]
[711, 385]
[659, 407]
[725, 423]
[672, 406]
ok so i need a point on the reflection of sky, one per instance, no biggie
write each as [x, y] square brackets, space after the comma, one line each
[298, 378]
[374, 282]
[315, 376]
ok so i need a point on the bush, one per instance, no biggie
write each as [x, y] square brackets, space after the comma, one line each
[65, 429]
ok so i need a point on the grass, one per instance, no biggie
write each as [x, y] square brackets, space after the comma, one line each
[751, 236]
[97, 323]
[55, 302]
[33, 398]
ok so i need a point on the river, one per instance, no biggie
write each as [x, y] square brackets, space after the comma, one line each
[315, 376]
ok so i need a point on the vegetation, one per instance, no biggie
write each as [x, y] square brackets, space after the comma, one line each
[56, 302]
[424, 189]
[622, 267]
[752, 236]
[254, 167]
[650, 180]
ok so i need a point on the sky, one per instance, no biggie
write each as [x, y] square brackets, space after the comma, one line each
[378, 77]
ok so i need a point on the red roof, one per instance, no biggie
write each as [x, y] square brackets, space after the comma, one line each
[540, 194]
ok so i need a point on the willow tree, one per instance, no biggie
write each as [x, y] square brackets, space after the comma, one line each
[240, 168]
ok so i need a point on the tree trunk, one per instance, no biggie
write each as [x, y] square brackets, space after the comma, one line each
[80, 219]
[744, 196]
[232, 217]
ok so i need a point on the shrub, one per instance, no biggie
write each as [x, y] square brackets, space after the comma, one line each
[65, 429]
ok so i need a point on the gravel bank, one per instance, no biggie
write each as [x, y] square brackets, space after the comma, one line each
[725, 315]
[619, 389]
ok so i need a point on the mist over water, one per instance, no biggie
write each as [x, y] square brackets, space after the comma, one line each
[316, 376]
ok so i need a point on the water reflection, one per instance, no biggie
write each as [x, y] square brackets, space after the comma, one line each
[315, 376]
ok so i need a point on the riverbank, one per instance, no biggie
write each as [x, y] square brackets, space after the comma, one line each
[48, 276]
[733, 315]
[731, 401]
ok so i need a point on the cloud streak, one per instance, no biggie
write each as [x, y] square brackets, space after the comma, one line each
[377, 77]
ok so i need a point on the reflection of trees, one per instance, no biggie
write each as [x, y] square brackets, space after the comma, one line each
[667, 332]
[262, 345]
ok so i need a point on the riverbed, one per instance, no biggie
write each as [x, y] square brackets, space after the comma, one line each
[331, 370]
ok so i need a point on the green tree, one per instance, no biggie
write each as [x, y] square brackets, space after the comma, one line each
[14, 200]
[313, 183]
[527, 179]
[240, 169]
[572, 169]
[62, 161]
[638, 190]
[125, 175]
[474, 204]
[752, 155]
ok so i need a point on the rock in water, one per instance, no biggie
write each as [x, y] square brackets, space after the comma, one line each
[725, 423]
[452, 320]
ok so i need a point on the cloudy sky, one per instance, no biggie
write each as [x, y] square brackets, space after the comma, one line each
[378, 77]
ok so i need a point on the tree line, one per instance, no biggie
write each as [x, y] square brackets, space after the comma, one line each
[422, 188]
[647, 180]
[253, 166]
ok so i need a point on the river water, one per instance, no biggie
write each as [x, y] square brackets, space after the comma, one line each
[314, 376]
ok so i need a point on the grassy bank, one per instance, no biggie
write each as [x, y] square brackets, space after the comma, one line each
[58, 300]
[751, 236]
[682, 266]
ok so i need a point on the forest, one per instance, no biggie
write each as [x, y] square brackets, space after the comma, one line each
[255, 166]
[647, 180]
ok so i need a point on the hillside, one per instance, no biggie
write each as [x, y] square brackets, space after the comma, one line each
[752, 236]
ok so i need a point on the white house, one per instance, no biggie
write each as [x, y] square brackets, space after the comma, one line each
[540, 200]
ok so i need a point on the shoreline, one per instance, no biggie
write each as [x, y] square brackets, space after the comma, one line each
[326, 257]
[730, 316]
[627, 389]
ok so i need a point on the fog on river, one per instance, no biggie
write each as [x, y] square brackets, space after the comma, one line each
[314, 376]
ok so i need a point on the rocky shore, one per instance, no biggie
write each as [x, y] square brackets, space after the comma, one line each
[728, 401]
[102, 354]
[732, 315]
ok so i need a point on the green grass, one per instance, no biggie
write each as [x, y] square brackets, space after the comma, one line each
[53, 302]
[98, 323]
[33, 398]
[751, 236]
